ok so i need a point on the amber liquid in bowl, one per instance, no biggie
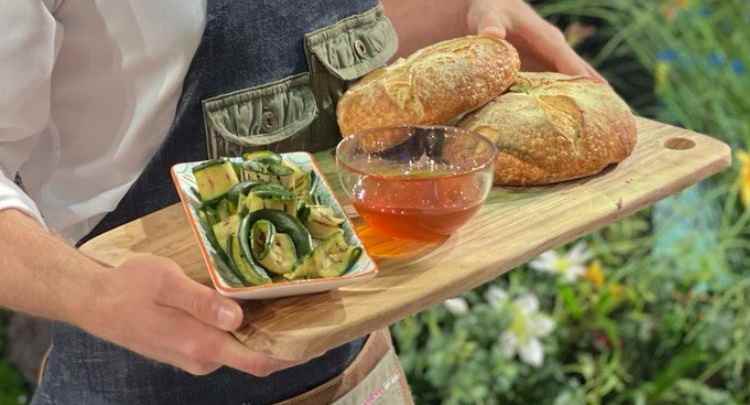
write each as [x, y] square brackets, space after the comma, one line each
[418, 207]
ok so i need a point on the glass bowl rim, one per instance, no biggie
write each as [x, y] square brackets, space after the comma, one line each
[446, 128]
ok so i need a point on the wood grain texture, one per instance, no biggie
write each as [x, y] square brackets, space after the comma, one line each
[512, 228]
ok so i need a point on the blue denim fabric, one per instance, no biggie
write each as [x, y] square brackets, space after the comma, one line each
[245, 43]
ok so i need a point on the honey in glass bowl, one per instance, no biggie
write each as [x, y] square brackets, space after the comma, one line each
[416, 183]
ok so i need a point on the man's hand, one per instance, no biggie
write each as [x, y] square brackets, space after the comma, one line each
[149, 306]
[541, 45]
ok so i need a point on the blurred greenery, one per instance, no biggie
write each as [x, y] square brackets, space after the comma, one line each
[660, 315]
[13, 388]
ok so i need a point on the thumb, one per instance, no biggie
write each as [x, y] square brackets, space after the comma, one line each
[204, 303]
[490, 24]
[481, 18]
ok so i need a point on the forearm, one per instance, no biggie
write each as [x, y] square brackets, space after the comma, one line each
[423, 22]
[41, 274]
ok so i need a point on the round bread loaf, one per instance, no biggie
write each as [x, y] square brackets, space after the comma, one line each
[551, 127]
[432, 86]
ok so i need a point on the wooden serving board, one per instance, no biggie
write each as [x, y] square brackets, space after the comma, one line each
[513, 227]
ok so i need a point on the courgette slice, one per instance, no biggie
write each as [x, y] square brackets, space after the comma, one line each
[226, 228]
[237, 166]
[239, 190]
[280, 170]
[261, 236]
[332, 258]
[303, 270]
[284, 223]
[263, 156]
[281, 257]
[220, 257]
[266, 172]
[260, 172]
[209, 214]
[335, 257]
[226, 272]
[303, 212]
[271, 196]
[300, 182]
[225, 208]
[214, 179]
[251, 273]
[322, 221]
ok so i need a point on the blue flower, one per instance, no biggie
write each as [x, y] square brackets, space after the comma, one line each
[667, 55]
[738, 67]
[717, 58]
[705, 11]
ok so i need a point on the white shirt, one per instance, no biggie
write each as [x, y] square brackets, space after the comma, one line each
[88, 90]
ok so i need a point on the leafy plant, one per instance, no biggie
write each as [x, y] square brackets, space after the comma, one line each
[660, 314]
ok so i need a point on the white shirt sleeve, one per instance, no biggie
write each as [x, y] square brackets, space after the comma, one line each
[31, 38]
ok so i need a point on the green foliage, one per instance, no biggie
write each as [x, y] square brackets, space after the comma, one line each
[13, 389]
[669, 324]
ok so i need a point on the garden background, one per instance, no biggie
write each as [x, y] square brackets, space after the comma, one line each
[650, 310]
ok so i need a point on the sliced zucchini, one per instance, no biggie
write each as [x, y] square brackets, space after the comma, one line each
[226, 271]
[282, 256]
[322, 221]
[284, 223]
[209, 214]
[239, 190]
[263, 156]
[299, 181]
[214, 179]
[304, 269]
[237, 166]
[196, 194]
[225, 208]
[280, 170]
[226, 228]
[303, 212]
[334, 256]
[252, 203]
[220, 257]
[273, 191]
[251, 273]
[265, 172]
[256, 171]
[261, 236]
[273, 197]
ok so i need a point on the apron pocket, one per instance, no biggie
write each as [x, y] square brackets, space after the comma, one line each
[354, 46]
[341, 53]
[275, 116]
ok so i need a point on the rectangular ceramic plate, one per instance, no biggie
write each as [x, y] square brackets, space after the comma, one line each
[364, 269]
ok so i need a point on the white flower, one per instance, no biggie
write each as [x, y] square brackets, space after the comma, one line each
[495, 295]
[570, 266]
[457, 306]
[527, 326]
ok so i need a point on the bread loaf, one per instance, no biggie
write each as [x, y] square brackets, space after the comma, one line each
[432, 86]
[551, 127]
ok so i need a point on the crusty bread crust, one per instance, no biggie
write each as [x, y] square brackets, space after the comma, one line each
[550, 128]
[432, 86]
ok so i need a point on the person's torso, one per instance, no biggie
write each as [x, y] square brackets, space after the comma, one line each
[266, 74]
[116, 81]
[119, 76]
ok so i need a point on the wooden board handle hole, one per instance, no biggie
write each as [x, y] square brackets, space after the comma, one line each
[679, 144]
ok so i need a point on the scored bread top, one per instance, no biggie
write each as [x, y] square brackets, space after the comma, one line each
[551, 127]
[432, 86]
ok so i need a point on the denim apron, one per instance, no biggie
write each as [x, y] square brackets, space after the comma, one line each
[266, 75]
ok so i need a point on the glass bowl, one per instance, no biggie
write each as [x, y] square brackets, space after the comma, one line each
[416, 183]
